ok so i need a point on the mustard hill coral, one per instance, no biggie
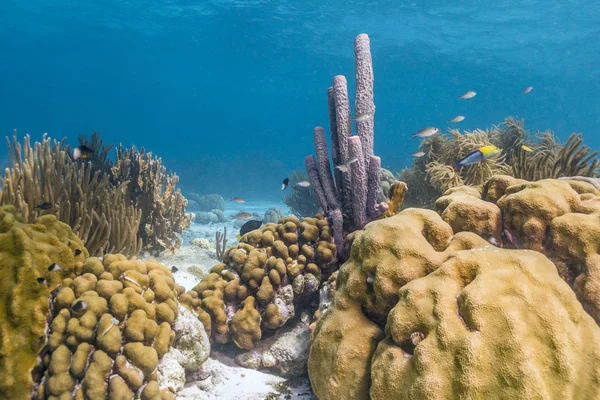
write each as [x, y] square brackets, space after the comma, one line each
[422, 312]
[262, 280]
[26, 253]
[110, 326]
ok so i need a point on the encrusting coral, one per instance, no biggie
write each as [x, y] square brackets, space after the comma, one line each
[427, 308]
[27, 251]
[434, 173]
[263, 279]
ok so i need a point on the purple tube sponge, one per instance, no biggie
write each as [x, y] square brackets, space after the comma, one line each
[338, 229]
[363, 103]
[315, 182]
[324, 168]
[359, 183]
[374, 179]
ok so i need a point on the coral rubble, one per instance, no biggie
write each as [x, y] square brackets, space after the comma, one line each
[263, 279]
[427, 307]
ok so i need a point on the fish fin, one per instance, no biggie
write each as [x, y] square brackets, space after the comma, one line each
[458, 165]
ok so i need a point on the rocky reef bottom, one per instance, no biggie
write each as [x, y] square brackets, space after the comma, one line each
[221, 376]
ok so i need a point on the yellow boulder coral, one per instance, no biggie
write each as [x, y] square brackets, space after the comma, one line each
[27, 277]
[420, 313]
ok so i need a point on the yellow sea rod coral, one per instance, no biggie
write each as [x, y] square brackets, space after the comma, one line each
[26, 253]
[422, 313]
[111, 325]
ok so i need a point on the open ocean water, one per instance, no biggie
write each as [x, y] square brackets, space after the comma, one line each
[227, 92]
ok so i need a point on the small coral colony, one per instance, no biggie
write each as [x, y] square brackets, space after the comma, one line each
[470, 274]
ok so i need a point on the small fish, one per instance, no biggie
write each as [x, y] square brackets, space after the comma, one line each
[42, 281]
[491, 239]
[44, 206]
[362, 117]
[242, 215]
[77, 252]
[527, 89]
[527, 148]
[303, 184]
[174, 269]
[469, 95]
[250, 226]
[285, 183]
[482, 153]
[458, 118]
[83, 152]
[238, 200]
[79, 306]
[54, 267]
[426, 132]
[346, 166]
[418, 154]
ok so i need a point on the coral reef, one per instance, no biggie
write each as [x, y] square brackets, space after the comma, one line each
[27, 252]
[152, 190]
[427, 309]
[272, 215]
[210, 217]
[286, 351]
[113, 207]
[80, 196]
[301, 201]
[434, 173]
[208, 202]
[110, 326]
[263, 280]
[349, 197]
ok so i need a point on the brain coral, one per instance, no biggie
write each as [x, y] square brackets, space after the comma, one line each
[262, 279]
[422, 313]
[110, 326]
[559, 218]
[27, 254]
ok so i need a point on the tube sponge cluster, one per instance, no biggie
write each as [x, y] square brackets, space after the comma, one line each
[110, 326]
[262, 279]
[349, 197]
[426, 308]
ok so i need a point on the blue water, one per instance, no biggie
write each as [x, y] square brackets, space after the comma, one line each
[227, 92]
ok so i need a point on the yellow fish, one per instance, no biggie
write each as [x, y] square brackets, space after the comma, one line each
[482, 153]
[527, 148]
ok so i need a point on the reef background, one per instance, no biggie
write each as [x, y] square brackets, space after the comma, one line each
[245, 82]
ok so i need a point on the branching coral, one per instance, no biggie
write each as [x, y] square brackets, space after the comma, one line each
[434, 173]
[152, 190]
[97, 211]
[302, 201]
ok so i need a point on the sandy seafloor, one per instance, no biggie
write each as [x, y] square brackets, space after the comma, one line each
[229, 381]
